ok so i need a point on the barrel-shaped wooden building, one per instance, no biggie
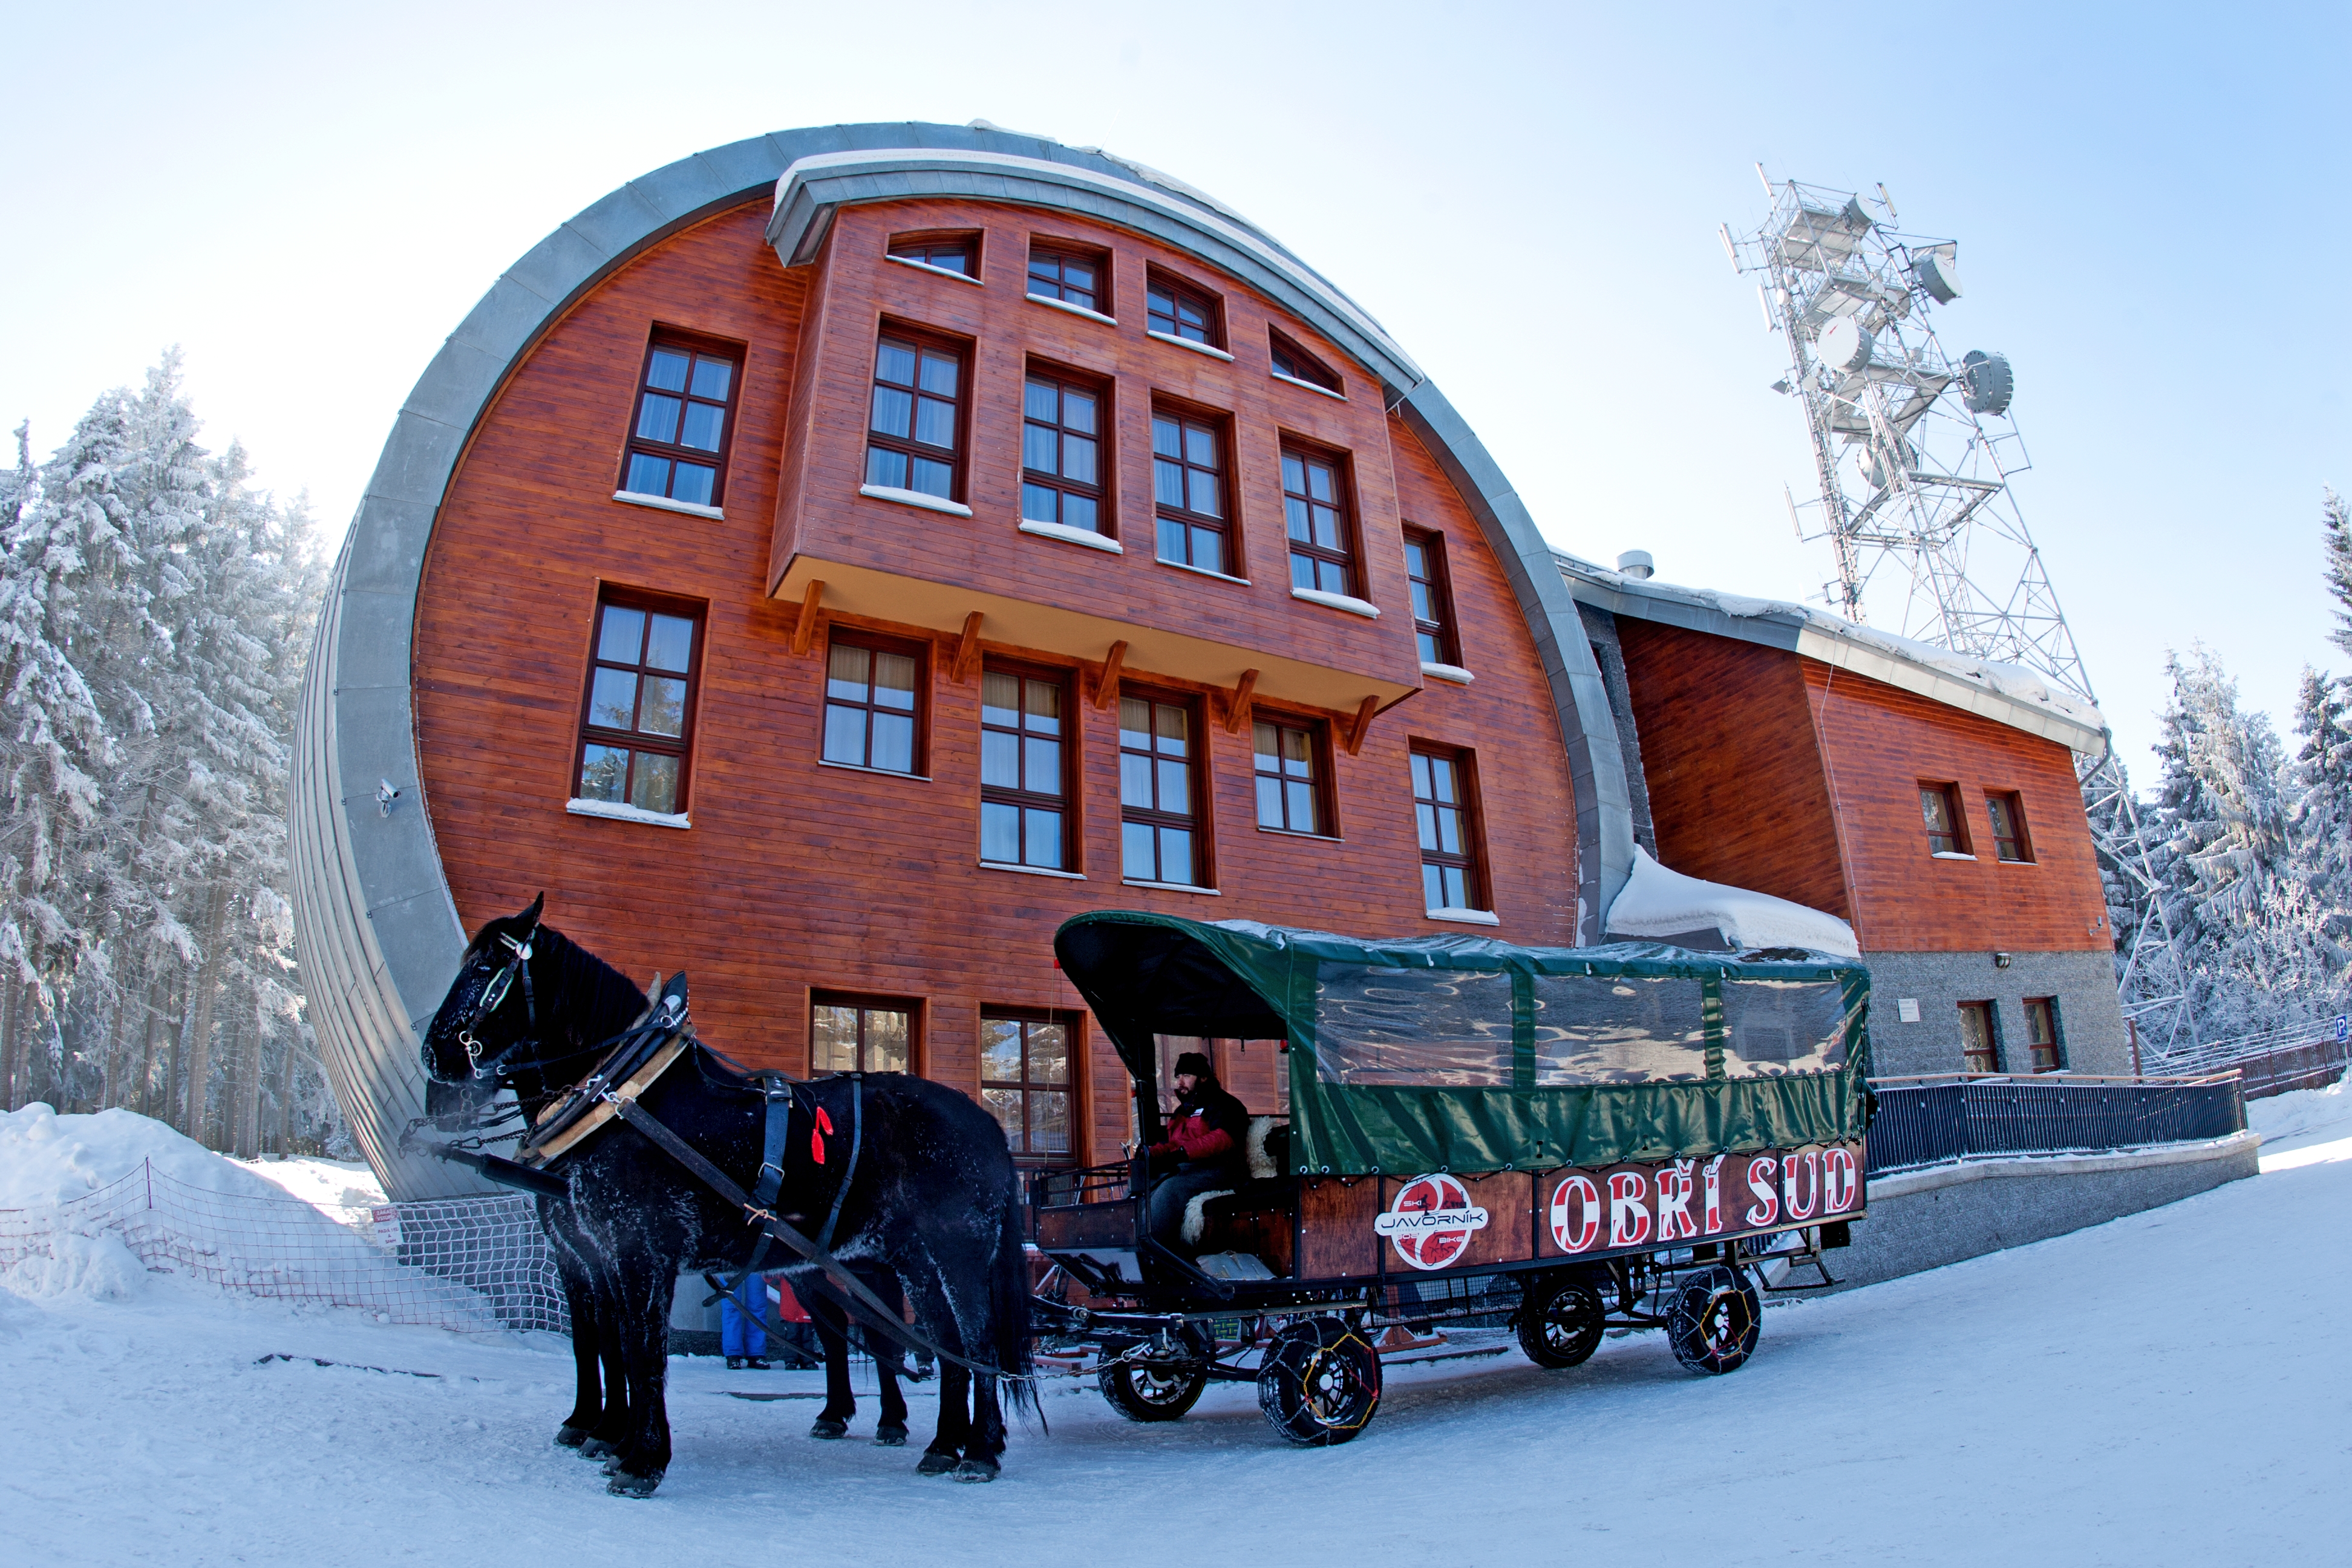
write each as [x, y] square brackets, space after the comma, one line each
[830, 561]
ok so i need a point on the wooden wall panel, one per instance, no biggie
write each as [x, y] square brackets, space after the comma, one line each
[1879, 743]
[1736, 781]
[798, 876]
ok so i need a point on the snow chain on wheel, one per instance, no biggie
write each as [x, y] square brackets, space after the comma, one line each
[1713, 1319]
[1561, 1324]
[1152, 1390]
[1320, 1382]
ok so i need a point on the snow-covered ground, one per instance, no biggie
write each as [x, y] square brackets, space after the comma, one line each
[2160, 1389]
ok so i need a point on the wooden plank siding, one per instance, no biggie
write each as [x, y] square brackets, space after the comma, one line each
[1770, 771]
[796, 875]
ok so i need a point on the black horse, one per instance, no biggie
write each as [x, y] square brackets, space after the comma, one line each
[933, 1200]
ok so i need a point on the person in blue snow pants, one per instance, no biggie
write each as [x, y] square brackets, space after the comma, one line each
[742, 1336]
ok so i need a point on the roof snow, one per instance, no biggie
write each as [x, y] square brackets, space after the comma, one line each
[1657, 902]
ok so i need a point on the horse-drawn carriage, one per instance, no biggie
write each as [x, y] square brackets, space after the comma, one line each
[1562, 1140]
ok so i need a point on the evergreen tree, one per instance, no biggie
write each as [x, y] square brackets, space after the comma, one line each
[2335, 539]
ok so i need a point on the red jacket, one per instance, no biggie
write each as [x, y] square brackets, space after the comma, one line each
[1208, 1131]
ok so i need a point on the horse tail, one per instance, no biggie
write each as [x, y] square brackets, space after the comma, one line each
[1009, 1292]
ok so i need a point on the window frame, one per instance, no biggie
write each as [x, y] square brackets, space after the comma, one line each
[1226, 527]
[1472, 860]
[2054, 1047]
[1067, 803]
[1349, 557]
[1196, 760]
[932, 239]
[2023, 837]
[1317, 731]
[1073, 1043]
[1950, 792]
[1990, 1013]
[587, 733]
[873, 643]
[1439, 585]
[867, 1002]
[1182, 291]
[957, 457]
[1065, 251]
[696, 345]
[1103, 492]
[1308, 367]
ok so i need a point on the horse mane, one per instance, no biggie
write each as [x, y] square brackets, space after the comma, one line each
[598, 1000]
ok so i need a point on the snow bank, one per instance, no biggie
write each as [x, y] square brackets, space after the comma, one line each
[1657, 902]
[48, 1159]
[321, 1183]
[2282, 1116]
[100, 1268]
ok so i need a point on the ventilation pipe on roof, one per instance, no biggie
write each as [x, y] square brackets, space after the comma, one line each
[1636, 563]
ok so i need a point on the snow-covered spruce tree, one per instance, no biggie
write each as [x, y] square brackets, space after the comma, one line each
[2335, 539]
[2319, 837]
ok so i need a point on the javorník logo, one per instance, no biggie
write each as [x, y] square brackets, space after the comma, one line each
[1430, 1221]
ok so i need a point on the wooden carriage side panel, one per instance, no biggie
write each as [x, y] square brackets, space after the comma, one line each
[1506, 1237]
[1336, 1239]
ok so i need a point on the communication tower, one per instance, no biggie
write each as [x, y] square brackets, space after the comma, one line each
[1914, 452]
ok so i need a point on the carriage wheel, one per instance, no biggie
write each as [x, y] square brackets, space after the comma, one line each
[1713, 1319]
[1152, 1390]
[1561, 1323]
[1320, 1382]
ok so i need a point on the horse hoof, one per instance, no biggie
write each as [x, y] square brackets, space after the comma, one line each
[827, 1427]
[890, 1435]
[937, 1464]
[568, 1437]
[596, 1449]
[625, 1485]
[977, 1470]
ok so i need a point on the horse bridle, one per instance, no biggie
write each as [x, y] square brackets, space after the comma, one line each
[493, 996]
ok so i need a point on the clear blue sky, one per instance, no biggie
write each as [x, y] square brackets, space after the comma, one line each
[2150, 201]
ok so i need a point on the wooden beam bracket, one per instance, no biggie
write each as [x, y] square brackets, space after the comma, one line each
[967, 658]
[1107, 683]
[1237, 701]
[1362, 725]
[804, 629]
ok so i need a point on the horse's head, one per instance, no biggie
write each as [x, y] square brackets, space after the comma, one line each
[486, 1011]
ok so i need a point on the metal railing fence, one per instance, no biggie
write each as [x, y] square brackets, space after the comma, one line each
[1932, 1120]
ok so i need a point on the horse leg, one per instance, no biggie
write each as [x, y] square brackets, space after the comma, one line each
[610, 1429]
[890, 1432]
[588, 1397]
[644, 1455]
[831, 1332]
[946, 1451]
[981, 1455]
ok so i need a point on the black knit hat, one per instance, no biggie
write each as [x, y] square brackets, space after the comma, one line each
[1196, 1064]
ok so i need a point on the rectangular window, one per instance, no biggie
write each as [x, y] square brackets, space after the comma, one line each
[1158, 824]
[1181, 312]
[677, 448]
[1060, 452]
[2041, 1033]
[873, 704]
[1188, 490]
[915, 430]
[948, 252]
[1315, 511]
[1024, 769]
[634, 735]
[2008, 840]
[849, 1033]
[1073, 277]
[1025, 1079]
[1940, 804]
[1980, 1038]
[1433, 597]
[1290, 773]
[1445, 814]
[1296, 363]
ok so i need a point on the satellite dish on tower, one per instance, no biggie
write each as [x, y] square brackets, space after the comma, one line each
[1844, 345]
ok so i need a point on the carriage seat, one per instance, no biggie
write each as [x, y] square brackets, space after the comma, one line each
[1267, 1150]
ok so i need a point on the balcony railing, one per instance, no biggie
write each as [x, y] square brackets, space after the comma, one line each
[1928, 1121]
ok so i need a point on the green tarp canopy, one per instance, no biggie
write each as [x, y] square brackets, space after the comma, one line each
[1460, 1053]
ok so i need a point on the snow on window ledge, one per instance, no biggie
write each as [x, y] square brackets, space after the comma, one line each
[1203, 572]
[1308, 385]
[916, 498]
[1032, 870]
[1172, 887]
[1951, 855]
[1467, 916]
[1452, 672]
[1073, 310]
[1068, 535]
[663, 503]
[1347, 601]
[937, 271]
[620, 812]
[1189, 344]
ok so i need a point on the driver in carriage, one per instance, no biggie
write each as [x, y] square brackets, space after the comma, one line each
[1210, 1133]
